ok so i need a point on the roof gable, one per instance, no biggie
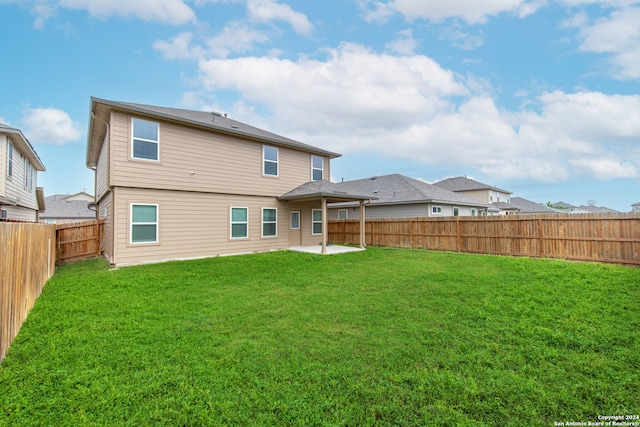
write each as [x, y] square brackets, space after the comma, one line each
[212, 121]
[22, 144]
[462, 183]
[396, 188]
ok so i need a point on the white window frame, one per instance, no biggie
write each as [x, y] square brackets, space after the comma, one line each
[343, 211]
[314, 222]
[156, 223]
[313, 168]
[4, 214]
[473, 212]
[232, 222]
[298, 214]
[9, 159]
[31, 176]
[134, 139]
[26, 173]
[275, 222]
[265, 161]
[456, 211]
[436, 210]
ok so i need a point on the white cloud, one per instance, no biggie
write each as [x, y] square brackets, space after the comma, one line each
[270, 10]
[405, 44]
[409, 107]
[171, 12]
[234, 38]
[50, 126]
[473, 12]
[618, 36]
[459, 38]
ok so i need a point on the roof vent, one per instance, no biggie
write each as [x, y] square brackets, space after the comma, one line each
[375, 177]
[235, 127]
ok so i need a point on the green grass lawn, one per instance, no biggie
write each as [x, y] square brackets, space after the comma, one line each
[381, 337]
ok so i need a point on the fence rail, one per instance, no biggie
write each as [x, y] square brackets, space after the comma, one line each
[78, 241]
[588, 237]
[27, 261]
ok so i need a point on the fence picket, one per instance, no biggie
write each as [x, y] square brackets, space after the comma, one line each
[584, 237]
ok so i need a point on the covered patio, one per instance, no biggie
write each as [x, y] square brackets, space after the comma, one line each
[327, 192]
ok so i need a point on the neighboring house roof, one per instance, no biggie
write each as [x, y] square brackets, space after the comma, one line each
[564, 205]
[527, 206]
[505, 206]
[60, 206]
[23, 145]
[597, 209]
[210, 120]
[462, 183]
[400, 189]
[323, 189]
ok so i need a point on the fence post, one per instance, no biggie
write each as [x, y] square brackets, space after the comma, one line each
[540, 237]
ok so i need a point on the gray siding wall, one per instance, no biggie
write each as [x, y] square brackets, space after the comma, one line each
[417, 210]
[14, 189]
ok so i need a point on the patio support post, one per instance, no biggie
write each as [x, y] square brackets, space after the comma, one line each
[362, 229]
[324, 225]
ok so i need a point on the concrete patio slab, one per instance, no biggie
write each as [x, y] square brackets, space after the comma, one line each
[331, 249]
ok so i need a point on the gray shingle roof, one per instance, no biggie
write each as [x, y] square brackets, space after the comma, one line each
[462, 183]
[214, 121]
[58, 207]
[400, 189]
[527, 206]
[319, 189]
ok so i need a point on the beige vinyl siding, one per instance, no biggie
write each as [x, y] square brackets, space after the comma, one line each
[481, 195]
[102, 171]
[194, 225]
[105, 211]
[193, 159]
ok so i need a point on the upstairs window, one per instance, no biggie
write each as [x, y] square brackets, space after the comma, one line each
[26, 173]
[145, 139]
[317, 167]
[269, 160]
[10, 160]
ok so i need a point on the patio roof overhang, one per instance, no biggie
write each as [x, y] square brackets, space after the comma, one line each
[327, 192]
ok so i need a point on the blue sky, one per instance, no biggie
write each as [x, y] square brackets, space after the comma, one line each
[538, 97]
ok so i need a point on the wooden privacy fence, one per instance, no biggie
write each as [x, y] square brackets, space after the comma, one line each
[27, 261]
[77, 241]
[588, 237]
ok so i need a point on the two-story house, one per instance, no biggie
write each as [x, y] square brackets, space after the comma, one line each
[20, 197]
[497, 198]
[182, 184]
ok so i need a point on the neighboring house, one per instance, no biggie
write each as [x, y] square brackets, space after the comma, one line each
[568, 208]
[532, 208]
[635, 207]
[597, 209]
[181, 184]
[398, 196]
[20, 197]
[498, 198]
[65, 208]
